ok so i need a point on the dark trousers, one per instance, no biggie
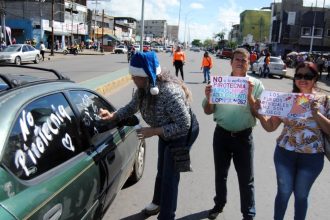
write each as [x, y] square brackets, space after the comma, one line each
[240, 148]
[42, 52]
[167, 179]
[178, 66]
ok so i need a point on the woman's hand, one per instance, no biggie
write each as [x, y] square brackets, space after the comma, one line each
[147, 132]
[208, 91]
[315, 106]
[106, 115]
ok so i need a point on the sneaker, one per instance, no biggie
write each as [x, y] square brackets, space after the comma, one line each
[209, 82]
[213, 213]
[204, 81]
[152, 209]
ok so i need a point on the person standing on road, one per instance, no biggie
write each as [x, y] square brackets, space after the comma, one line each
[163, 101]
[206, 66]
[42, 50]
[179, 59]
[266, 70]
[233, 139]
[299, 154]
[253, 58]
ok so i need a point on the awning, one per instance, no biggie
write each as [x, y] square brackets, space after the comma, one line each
[59, 33]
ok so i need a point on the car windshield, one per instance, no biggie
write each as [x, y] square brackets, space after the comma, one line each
[12, 48]
[275, 60]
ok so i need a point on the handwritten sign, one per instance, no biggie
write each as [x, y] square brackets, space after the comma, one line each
[37, 138]
[289, 105]
[229, 90]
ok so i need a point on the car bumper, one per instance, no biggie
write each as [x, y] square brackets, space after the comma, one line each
[278, 72]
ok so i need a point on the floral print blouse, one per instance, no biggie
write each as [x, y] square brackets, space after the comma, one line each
[304, 135]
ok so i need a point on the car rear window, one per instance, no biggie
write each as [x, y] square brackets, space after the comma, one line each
[275, 60]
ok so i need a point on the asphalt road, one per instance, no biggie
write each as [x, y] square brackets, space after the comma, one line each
[197, 188]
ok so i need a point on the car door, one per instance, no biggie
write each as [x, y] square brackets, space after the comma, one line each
[114, 146]
[25, 54]
[48, 172]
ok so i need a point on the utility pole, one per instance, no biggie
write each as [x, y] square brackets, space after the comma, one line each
[3, 22]
[179, 21]
[313, 28]
[52, 46]
[102, 26]
[95, 20]
[142, 26]
[72, 39]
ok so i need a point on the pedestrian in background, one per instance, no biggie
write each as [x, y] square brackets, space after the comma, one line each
[328, 68]
[232, 139]
[253, 58]
[206, 66]
[299, 152]
[266, 70]
[163, 101]
[42, 50]
[179, 59]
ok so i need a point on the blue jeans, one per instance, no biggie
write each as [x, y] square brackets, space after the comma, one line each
[265, 71]
[206, 71]
[167, 179]
[240, 148]
[295, 172]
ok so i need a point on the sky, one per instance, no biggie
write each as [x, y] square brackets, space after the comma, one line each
[199, 19]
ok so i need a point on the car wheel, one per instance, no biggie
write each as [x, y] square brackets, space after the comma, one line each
[139, 163]
[37, 59]
[18, 60]
[260, 72]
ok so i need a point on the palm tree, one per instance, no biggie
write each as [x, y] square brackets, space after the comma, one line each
[220, 36]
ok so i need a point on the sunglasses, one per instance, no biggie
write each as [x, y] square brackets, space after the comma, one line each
[304, 76]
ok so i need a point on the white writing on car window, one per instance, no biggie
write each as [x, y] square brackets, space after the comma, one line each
[42, 135]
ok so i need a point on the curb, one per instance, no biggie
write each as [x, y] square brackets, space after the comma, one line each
[113, 85]
[109, 82]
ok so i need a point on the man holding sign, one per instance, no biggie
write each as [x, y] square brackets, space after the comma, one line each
[229, 100]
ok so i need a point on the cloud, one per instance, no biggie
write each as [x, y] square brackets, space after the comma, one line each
[228, 15]
[196, 6]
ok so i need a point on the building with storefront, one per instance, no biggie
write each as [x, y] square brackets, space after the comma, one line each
[32, 21]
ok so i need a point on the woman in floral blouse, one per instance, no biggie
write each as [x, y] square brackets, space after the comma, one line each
[299, 154]
[163, 101]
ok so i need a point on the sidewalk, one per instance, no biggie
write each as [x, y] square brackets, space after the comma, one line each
[322, 84]
[59, 54]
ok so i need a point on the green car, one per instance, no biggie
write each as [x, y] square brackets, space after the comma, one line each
[58, 160]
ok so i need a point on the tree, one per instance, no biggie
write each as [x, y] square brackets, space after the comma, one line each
[196, 43]
[220, 36]
[209, 43]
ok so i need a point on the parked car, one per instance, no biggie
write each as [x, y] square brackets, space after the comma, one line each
[157, 49]
[225, 53]
[58, 159]
[168, 49]
[18, 53]
[137, 47]
[121, 49]
[276, 66]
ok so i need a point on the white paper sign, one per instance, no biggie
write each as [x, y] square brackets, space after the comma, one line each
[229, 90]
[289, 105]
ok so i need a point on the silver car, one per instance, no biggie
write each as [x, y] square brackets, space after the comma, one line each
[18, 53]
[276, 66]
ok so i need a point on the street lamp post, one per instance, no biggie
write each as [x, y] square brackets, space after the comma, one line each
[142, 26]
[52, 46]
